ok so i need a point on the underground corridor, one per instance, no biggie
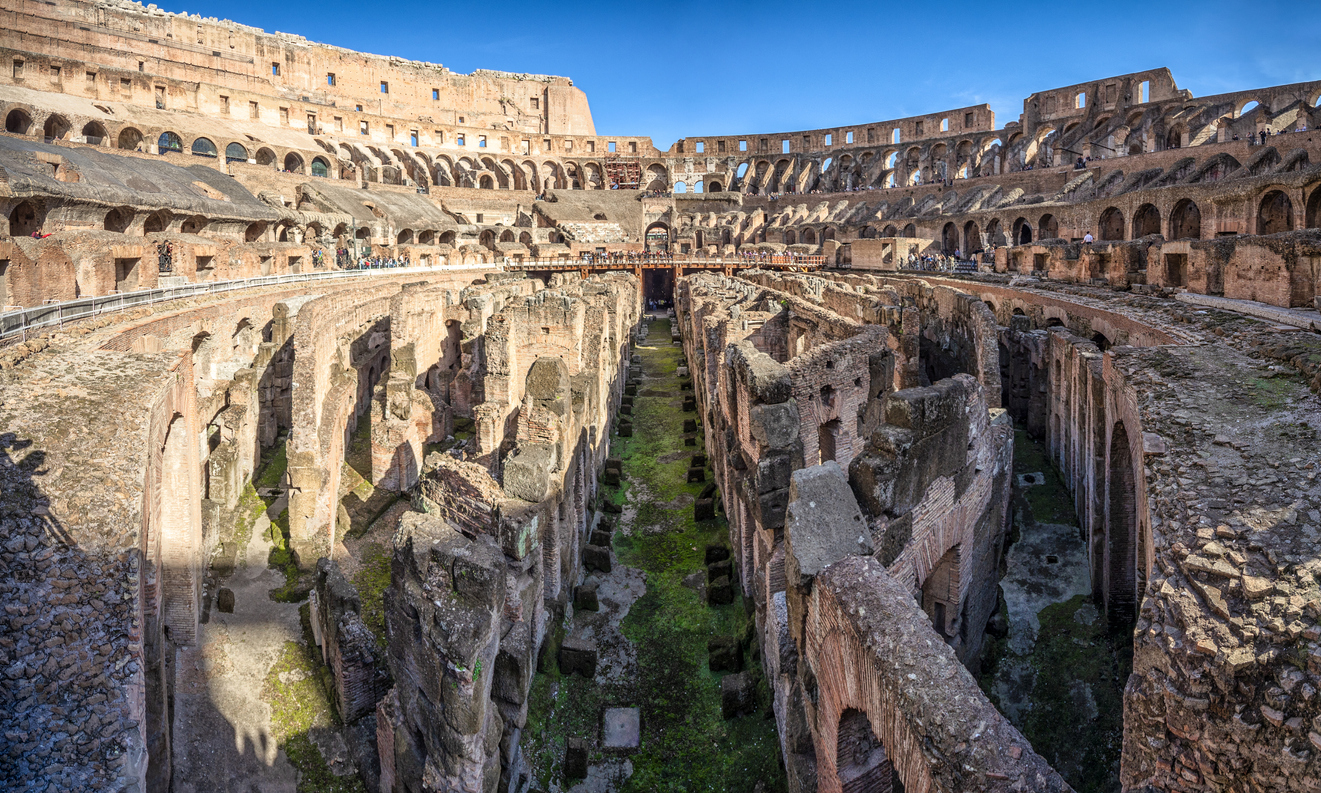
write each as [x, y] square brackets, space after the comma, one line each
[668, 626]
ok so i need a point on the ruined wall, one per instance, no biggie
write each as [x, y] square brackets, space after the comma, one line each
[933, 466]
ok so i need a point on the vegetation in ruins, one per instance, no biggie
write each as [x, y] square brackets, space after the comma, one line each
[1075, 713]
[686, 745]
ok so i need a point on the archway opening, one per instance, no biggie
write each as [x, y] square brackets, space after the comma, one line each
[1146, 221]
[24, 220]
[293, 163]
[1275, 213]
[1112, 224]
[235, 152]
[18, 122]
[1121, 532]
[56, 127]
[118, 219]
[94, 133]
[169, 143]
[1186, 221]
[202, 147]
[129, 139]
[860, 759]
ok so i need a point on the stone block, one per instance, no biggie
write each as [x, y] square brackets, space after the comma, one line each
[575, 758]
[225, 600]
[610, 507]
[689, 404]
[689, 441]
[716, 552]
[738, 695]
[601, 538]
[578, 656]
[625, 428]
[625, 410]
[626, 400]
[720, 592]
[698, 461]
[584, 597]
[610, 477]
[685, 385]
[724, 654]
[630, 389]
[823, 523]
[721, 569]
[596, 558]
[690, 425]
[527, 474]
[704, 509]
[696, 474]
[621, 728]
[614, 464]
[774, 426]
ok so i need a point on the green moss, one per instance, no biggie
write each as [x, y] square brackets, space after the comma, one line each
[249, 510]
[1077, 664]
[1276, 392]
[296, 583]
[686, 745]
[1051, 502]
[372, 581]
[273, 465]
[299, 703]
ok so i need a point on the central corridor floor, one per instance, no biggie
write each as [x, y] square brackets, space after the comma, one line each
[652, 628]
[1056, 671]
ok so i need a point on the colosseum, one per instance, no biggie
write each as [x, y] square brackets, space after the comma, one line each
[454, 447]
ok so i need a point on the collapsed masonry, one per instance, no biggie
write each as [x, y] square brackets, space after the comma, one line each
[487, 559]
[1192, 470]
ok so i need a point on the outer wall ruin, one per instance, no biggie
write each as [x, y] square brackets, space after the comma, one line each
[187, 201]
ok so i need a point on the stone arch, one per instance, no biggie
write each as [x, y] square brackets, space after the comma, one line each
[203, 147]
[910, 230]
[790, 238]
[404, 237]
[1185, 221]
[193, 225]
[1048, 228]
[1313, 215]
[1274, 213]
[320, 167]
[972, 237]
[1146, 221]
[949, 238]
[119, 219]
[861, 763]
[94, 132]
[129, 138]
[169, 143]
[25, 219]
[809, 237]
[156, 222]
[1112, 224]
[716, 187]
[293, 162]
[18, 121]
[1121, 531]
[1022, 231]
[56, 127]
[507, 236]
[994, 233]
[265, 156]
[255, 231]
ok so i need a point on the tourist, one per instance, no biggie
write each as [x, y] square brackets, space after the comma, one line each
[1087, 238]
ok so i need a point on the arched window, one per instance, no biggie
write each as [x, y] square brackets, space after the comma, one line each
[320, 167]
[129, 138]
[699, 187]
[169, 142]
[235, 152]
[293, 163]
[680, 187]
[203, 147]
[57, 127]
[1146, 221]
[94, 133]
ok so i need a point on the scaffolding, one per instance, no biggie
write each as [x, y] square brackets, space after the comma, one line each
[623, 173]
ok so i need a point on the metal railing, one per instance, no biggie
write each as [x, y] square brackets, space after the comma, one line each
[682, 260]
[16, 325]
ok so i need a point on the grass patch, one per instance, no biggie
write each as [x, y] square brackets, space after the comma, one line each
[1081, 671]
[1273, 393]
[1051, 502]
[372, 580]
[273, 465]
[296, 584]
[686, 745]
[298, 701]
[249, 510]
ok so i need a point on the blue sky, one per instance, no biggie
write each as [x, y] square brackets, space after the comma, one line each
[685, 68]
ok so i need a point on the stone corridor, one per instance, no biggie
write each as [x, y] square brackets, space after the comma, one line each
[653, 626]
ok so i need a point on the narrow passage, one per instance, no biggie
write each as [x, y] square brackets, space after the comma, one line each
[653, 626]
[1052, 665]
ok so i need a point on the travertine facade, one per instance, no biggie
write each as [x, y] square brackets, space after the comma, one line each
[858, 419]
